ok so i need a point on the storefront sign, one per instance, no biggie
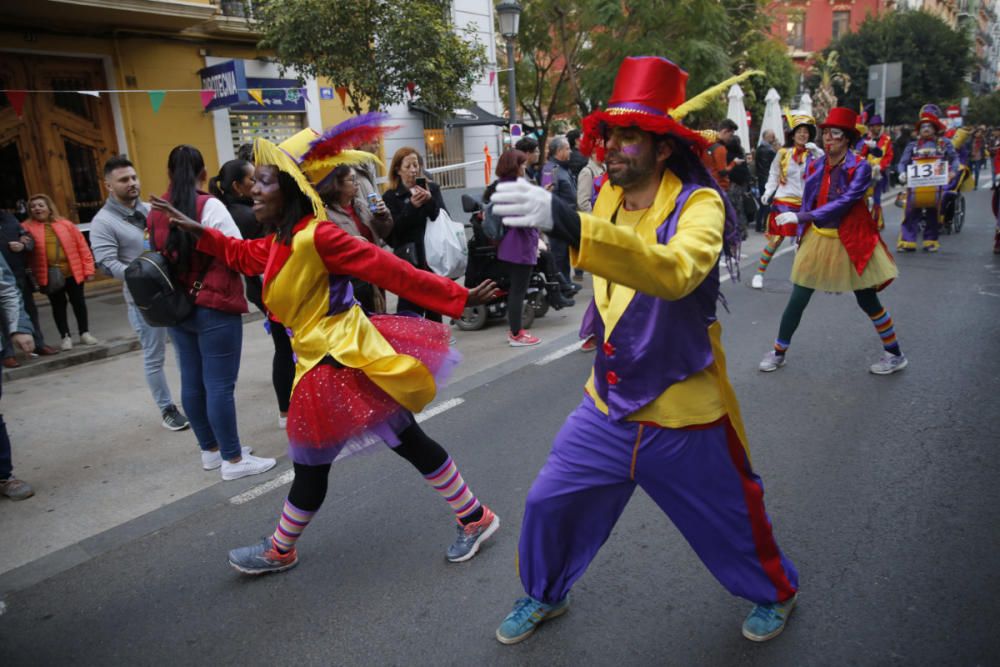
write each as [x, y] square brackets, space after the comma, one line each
[280, 96]
[229, 82]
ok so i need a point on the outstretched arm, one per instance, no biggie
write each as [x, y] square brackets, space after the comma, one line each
[246, 257]
[831, 213]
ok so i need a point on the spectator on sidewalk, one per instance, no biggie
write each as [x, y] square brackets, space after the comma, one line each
[577, 160]
[118, 235]
[556, 177]
[715, 157]
[60, 245]
[739, 182]
[18, 330]
[209, 342]
[763, 158]
[529, 146]
[16, 245]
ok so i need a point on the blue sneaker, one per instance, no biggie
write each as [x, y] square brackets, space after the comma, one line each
[527, 615]
[262, 558]
[766, 621]
[472, 535]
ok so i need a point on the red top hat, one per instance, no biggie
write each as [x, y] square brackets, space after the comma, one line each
[646, 89]
[927, 117]
[842, 119]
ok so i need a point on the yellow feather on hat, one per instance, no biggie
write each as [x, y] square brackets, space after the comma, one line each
[704, 98]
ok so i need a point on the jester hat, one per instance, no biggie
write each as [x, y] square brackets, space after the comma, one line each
[931, 113]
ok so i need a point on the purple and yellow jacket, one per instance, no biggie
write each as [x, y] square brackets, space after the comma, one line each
[656, 284]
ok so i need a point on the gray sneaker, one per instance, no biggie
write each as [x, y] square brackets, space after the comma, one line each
[471, 536]
[772, 361]
[16, 489]
[173, 420]
[888, 364]
[262, 558]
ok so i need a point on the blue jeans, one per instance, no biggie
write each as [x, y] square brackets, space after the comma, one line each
[154, 347]
[6, 467]
[209, 344]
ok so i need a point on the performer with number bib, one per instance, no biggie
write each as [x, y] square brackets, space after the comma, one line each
[784, 186]
[841, 250]
[931, 151]
[658, 411]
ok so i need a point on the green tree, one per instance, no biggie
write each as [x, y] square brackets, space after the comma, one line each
[984, 110]
[375, 48]
[771, 56]
[935, 57]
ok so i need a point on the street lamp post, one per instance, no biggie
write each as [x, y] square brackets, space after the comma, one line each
[509, 12]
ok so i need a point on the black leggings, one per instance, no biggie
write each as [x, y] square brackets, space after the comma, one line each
[310, 485]
[520, 276]
[282, 366]
[867, 299]
[74, 291]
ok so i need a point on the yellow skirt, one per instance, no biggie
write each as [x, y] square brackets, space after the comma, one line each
[822, 263]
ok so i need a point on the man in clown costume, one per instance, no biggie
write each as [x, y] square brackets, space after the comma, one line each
[930, 147]
[658, 410]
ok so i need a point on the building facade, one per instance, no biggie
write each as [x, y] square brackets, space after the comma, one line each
[808, 26]
[128, 51]
[978, 18]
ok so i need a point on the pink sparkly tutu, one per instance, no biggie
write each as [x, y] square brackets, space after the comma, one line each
[337, 411]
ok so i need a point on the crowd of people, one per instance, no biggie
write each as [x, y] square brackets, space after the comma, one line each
[649, 207]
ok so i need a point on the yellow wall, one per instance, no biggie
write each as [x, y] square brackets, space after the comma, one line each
[158, 64]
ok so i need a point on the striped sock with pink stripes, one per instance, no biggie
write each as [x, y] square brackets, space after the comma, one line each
[290, 526]
[448, 482]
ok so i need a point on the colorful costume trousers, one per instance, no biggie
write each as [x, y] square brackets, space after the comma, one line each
[909, 232]
[700, 477]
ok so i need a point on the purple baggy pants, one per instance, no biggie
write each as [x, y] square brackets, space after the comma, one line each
[701, 478]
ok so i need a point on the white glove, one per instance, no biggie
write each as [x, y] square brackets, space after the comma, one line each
[876, 172]
[814, 149]
[902, 176]
[787, 218]
[522, 204]
[765, 199]
[870, 144]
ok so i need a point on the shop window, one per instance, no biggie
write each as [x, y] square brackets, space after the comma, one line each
[444, 146]
[841, 23]
[82, 162]
[276, 127]
[72, 101]
[12, 188]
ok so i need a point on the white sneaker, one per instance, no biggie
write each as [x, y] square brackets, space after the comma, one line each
[87, 339]
[212, 460]
[757, 282]
[249, 465]
[67, 344]
[772, 361]
[888, 364]
[282, 422]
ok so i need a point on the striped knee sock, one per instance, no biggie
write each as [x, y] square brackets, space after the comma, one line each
[767, 255]
[883, 325]
[781, 346]
[448, 482]
[290, 526]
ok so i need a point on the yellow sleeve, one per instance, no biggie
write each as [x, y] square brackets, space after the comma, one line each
[670, 271]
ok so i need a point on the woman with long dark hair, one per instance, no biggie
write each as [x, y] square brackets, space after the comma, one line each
[233, 186]
[209, 342]
[358, 380]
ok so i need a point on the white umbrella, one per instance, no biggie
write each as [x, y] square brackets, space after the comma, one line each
[737, 113]
[772, 116]
[806, 104]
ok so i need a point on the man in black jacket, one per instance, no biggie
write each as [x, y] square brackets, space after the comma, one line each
[557, 178]
[16, 244]
[762, 159]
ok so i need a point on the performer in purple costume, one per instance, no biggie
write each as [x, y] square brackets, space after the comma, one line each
[658, 410]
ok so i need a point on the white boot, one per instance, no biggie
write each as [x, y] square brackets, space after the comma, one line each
[757, 282]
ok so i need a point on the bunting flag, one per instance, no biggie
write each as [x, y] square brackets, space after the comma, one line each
[493, 76]
[206, 97]
[156, 99]
[257, 94]
[17, 98]
[92, 93]
[489, 162]
[410, 88]
[342, 94]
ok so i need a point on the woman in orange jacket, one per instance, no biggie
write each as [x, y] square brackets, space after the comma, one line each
[59, 244]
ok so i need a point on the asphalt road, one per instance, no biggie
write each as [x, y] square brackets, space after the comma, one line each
[883, 490]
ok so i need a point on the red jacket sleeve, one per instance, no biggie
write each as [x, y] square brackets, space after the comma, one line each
[886, 161]
[344, 254]
[246, 257]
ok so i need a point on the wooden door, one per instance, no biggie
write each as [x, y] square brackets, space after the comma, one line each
[64, 137]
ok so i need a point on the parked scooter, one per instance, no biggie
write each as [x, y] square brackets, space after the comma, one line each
[483, 264]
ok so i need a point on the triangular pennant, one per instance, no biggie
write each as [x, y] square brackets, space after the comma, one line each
[156, 99]
[493, 76]
[17, 98]
[206, 98]
[257, 94]
[92, 93]
[410, 87]
[342, 94]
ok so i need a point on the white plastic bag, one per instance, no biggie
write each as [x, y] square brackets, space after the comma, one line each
[445, 247]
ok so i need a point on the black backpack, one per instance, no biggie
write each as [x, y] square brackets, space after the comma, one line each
[152, 281]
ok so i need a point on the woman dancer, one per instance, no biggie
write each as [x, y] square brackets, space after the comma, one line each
[358, 380]
[784, 186]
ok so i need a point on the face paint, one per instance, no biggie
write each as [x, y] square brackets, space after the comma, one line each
[631, 149]
[836, 134]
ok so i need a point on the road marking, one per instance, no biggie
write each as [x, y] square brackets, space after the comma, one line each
[439, 408]
[558, 354]
[287, 476]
